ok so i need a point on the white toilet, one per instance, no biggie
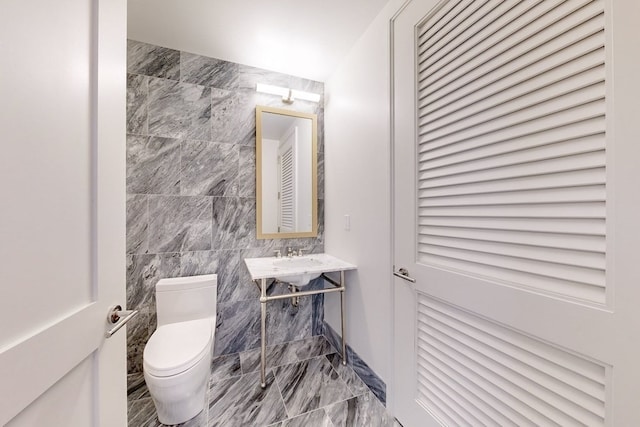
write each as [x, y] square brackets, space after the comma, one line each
[177, 357]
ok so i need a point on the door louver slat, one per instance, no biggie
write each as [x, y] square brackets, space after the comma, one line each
[287, 192]
[501, 373]
[511, 152]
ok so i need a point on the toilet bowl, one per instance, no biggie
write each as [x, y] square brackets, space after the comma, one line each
[177, 357]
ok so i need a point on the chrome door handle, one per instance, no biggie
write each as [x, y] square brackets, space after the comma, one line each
[118, 317]
[403, 273]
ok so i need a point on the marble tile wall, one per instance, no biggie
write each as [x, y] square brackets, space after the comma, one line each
[191, 192]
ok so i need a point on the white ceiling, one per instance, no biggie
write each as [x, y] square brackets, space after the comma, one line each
[299, 37]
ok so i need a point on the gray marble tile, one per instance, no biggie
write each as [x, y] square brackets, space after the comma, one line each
[234, 223]
[237, 327]
[309, 385]
[153, 165]
[277, 355]
[286, 322]
[366, 374]
[136, 387]
[309, 245]
[317, 308]
[151, 60]
[207, 71]
[255, 252]
[242, 402]
[153, 320]
[234, 283]
[225, 264]
[317, 249]
[200, 420]
[199, 262]
[179, 223]
[320, 181]
[286, 353]
[247, 173]
[144, 271]
[227, 366]
[137, 224]
[320, 238]
[311, 347]
[317, 418]
[137, 337]
[209, 168]
[141, 413]
[319, 111]
[361, 411]
[348, 375]
[179, 110]
[233, 116]
[137, 103]
[317, 315]
[139, 410]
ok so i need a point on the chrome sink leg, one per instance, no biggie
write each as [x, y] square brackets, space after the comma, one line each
[343, 309]
[263, 332]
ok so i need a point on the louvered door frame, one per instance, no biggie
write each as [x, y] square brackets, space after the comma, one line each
[524, 305]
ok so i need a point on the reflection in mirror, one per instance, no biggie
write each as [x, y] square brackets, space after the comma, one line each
[286, 173]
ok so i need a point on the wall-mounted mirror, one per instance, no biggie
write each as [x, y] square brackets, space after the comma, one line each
[286, 173]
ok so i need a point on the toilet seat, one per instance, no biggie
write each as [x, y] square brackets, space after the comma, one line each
[175, 347]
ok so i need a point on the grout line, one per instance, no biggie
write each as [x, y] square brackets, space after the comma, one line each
[285, 344]
[275, 380]
[331, 424]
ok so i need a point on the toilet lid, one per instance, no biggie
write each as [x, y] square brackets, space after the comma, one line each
[175, 347]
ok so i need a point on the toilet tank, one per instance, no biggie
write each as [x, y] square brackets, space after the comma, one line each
[186, 298]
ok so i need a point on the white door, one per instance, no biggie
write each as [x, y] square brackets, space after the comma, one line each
[288, 189]
[62, 221]
[516, 212]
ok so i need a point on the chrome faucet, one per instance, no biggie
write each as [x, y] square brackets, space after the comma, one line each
[289, 252]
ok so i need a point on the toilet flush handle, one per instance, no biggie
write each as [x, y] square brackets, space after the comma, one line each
[118, 317]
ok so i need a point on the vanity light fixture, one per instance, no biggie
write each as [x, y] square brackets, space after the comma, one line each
[288, 95]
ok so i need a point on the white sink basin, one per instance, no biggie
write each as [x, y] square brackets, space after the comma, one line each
[297, 263]
[298, 271]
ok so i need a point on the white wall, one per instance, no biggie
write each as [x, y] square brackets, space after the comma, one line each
[304, 175]
[357, 170]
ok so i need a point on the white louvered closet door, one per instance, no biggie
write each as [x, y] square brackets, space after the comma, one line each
[287, 193]
[516, 211]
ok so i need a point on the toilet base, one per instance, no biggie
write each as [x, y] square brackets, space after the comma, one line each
[180, 397]
[177, 412]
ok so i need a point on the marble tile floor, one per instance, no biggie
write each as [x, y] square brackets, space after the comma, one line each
[307, 385]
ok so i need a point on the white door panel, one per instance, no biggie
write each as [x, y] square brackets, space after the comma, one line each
[513, 211]
[62, 115]
[77, 386]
